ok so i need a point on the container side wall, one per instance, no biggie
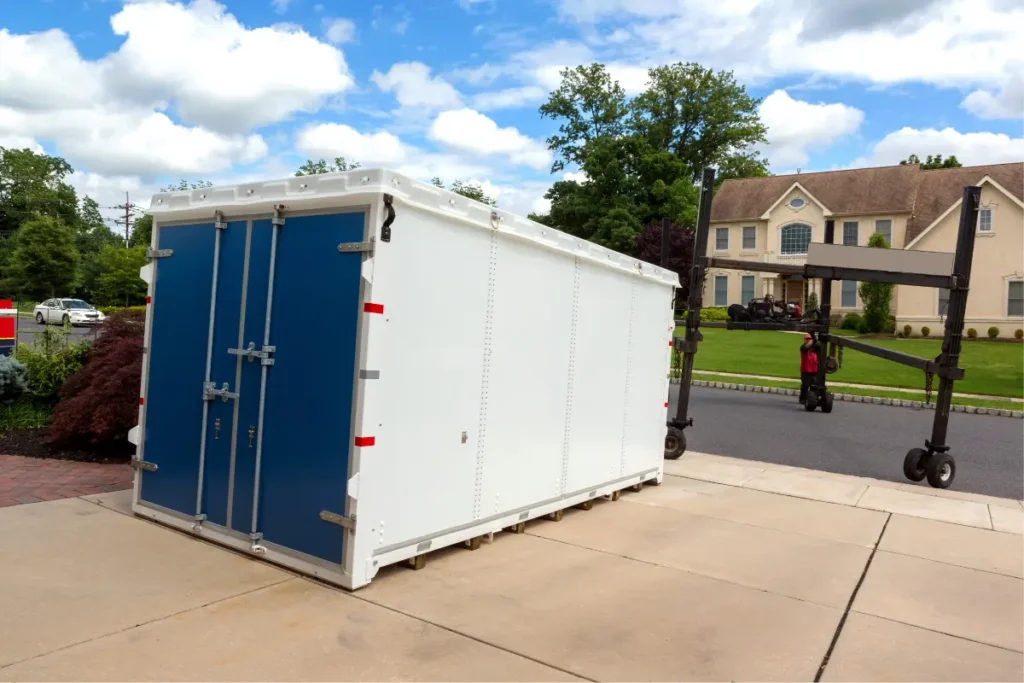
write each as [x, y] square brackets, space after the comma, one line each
[599, 377]
[527, 377]
[428, 346]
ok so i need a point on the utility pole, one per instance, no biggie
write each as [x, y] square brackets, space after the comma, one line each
[129, 209]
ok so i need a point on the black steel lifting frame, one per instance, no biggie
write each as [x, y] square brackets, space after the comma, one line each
[934, 461]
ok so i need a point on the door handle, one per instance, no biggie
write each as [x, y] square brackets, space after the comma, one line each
[216, 428]
[252, 433]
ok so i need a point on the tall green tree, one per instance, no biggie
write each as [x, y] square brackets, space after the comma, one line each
[119, 283]
[142, 232]
[44, 261]
[877, 296]
[32, 185]
[933, 162]
[323, 166]
[471, 190]
[589, 104]
[92, 234]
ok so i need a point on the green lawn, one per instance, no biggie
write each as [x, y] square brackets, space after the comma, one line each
[906, 396]
[992, 368]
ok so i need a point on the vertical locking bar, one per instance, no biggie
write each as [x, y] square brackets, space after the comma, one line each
[277, 222]
[219, 226]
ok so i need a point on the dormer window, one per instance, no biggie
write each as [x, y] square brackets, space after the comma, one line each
[796, 203]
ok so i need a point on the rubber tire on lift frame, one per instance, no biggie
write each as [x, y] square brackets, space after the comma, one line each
[826, 402]
[941, 469]
[675, 443]
[915, 465]
[811, 401]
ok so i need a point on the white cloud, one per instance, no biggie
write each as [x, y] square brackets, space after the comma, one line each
[414, 87]
[115, 141]
[280, 6]
[44, 70]
[971, 149]
[381, 148]
[796, 128]
[15, 141]
[509, 98]
[475, 5]
[218, 73]
[339, 30]
[470, 131]
[577, 176]
[1005, 103]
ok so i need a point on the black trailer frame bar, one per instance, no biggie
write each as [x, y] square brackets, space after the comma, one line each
[918, 461]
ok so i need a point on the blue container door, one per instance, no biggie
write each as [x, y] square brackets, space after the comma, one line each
[307, 412]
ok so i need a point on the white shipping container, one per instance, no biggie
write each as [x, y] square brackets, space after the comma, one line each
[345, 371]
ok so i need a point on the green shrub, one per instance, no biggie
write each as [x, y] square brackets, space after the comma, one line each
[853, 321]
[111, 310]
[50, 360]
[972, 333]
[714, 314]
[925, 331]
[907, 330]
[812, 302]
[993, 332]
[890, 325]
[13, 380]
[23, 414]
[835, 320]
[1018, 334]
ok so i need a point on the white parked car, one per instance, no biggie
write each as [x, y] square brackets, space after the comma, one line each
[61, 311]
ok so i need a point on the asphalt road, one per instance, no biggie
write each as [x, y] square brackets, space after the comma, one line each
[28, 330]
[860, 439]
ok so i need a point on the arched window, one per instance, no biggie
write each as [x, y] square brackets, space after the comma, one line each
[795, 238]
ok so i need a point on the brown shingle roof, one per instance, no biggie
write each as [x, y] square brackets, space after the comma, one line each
[889, 189]
[939, 189]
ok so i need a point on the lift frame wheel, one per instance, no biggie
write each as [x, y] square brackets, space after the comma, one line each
[675, 443]
[941, 470]
[826, 402]
[915, 464]
[811, 401]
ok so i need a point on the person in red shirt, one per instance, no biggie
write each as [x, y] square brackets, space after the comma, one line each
[808, 365]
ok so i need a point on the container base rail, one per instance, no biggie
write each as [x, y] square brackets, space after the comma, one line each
[829, 262]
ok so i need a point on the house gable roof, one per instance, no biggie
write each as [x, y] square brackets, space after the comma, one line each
[987, 180]
[794, 186]
[907, 189]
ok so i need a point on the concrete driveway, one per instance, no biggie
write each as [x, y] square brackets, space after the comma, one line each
[692, 580]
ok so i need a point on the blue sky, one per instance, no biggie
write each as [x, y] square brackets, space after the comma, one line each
[135, 94]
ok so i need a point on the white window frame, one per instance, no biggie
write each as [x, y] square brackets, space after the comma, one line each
[856, 235]
[753, 288]
[743, 238]
[726, 238]
[892, 226]
[1006, 298]
[714, 291]
[842, 294]
[788, 225]
[991, 220]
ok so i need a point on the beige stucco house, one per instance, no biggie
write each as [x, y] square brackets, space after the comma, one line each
[773, 219]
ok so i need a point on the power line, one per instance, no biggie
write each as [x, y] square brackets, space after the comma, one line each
[129, 208]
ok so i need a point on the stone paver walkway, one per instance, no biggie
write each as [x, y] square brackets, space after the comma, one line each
[32, 480]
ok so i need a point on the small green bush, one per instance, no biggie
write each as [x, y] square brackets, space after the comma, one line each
[23, 414]
[993, 332]
[13, 380]
[890, 325]
[907, 330]
[111, 310]
[972, 333]
[50, 360]
[925, 331]
[853, 321]
[812, 302]
[835, 320]
[714, 314]
[1018, 334]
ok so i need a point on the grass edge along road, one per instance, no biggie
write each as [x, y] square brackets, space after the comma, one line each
[991, 368]
[858, 391]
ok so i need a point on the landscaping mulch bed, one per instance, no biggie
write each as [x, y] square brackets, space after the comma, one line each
[29, 442]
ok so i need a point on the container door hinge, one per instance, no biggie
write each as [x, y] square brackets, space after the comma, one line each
[218, 221]
[210, 392]
[278, 219]
[250, 352]
[340, 520]
[158, 253]
[143, 465]
[385, 230]
[350, 247]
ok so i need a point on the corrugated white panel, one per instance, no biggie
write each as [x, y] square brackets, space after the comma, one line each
[419, 476]
[651, 325]
[527, 377]
[599, 377]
